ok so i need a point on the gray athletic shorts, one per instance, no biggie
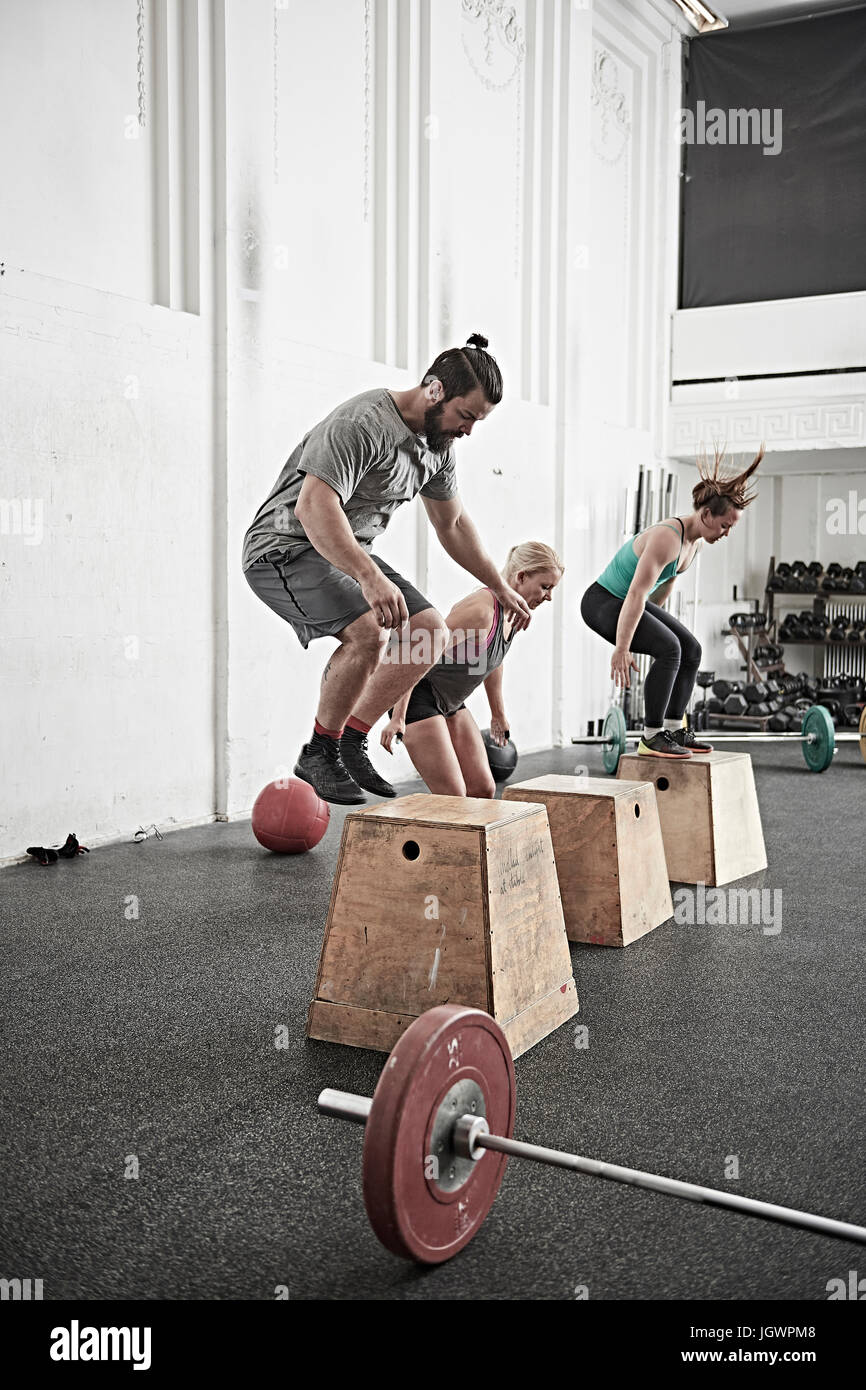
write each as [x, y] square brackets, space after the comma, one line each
[316, 598]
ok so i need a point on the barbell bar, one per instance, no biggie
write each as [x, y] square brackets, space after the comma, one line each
[817, 736]
[428, 1125]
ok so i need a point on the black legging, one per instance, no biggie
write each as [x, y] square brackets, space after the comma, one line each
[676, 653]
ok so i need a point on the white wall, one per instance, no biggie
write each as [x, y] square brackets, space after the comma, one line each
[77, 168]
[106, 437]
[337, 191]
[108, 649]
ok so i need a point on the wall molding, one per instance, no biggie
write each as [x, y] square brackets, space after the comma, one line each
[501, 38]
[401, 181]
[609, 99]
[819, 424]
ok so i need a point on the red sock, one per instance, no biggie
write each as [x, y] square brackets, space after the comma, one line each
[358, 725]
[327, 733]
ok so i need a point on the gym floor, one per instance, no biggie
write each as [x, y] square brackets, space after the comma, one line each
[153, 1041]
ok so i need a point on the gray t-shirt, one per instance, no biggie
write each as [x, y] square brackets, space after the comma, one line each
[367, 453]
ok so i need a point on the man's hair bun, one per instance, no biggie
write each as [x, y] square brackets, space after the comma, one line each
[466, 369]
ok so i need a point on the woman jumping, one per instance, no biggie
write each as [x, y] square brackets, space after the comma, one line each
[617, 605]
[432, 720]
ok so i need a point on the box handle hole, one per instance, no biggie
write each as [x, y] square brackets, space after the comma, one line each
[411, 850]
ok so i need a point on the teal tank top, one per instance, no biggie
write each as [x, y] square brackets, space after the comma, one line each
[617, 576]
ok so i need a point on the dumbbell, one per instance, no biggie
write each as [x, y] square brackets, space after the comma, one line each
[722, 689]
[736, 704]
[755, 693]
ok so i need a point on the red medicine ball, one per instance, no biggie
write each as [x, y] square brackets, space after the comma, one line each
[289, 816]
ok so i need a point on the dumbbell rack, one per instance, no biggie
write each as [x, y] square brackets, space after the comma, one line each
[845, 656]
[827, 604]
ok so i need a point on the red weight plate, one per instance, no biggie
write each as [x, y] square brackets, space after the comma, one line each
[412, 1214]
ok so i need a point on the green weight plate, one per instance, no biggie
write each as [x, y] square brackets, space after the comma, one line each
[818, 755]
[613, 730]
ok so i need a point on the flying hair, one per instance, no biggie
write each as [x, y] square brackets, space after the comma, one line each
[721, 490]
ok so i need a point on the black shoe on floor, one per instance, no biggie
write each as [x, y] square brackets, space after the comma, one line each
[663, 745]
[353, 747]
[321, 765]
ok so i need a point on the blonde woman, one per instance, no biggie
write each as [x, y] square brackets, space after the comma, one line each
[439, 733]
[617, 606]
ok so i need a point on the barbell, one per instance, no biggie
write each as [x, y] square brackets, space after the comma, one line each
[817, 736]
[438, 1135]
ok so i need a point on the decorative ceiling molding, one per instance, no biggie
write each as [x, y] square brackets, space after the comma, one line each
[822, 424]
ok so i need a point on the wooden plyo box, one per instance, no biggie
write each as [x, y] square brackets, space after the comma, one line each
[443, 899]
[609, 855]
[711, 825]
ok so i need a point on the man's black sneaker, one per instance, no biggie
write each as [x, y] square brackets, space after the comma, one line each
[321, 765]
[353, 747]
[663, 745]
[686, 738]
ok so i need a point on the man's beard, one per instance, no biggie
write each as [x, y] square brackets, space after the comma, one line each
[438, 441]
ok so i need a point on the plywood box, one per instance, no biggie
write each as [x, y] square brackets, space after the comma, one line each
[708, 808]
[443, 899]
[610, 859]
